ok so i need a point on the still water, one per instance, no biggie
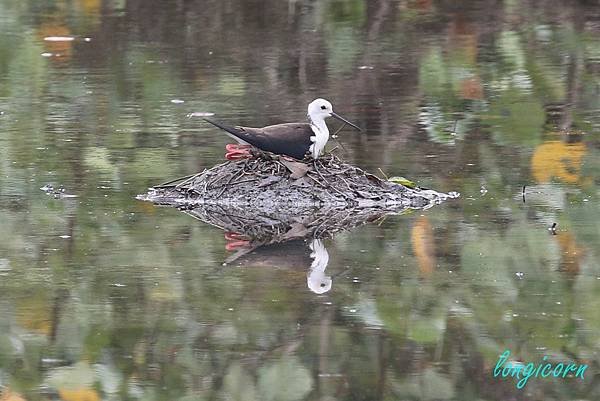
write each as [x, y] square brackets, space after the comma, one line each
[106, 297]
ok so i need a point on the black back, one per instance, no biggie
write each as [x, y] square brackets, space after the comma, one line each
[291, 139]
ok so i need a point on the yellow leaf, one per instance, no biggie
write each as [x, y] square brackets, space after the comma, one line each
[80, 394]
[423, 245]
[558, 160]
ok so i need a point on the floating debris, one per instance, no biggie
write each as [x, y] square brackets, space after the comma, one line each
[200, 114]
[59, 38]
[58, 192]
[403, 181]
[52, 362]
[48, 188]
[177, 101]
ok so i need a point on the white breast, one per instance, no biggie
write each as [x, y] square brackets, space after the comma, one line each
[319, 140]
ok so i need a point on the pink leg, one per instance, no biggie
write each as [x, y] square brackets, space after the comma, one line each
[236, 151]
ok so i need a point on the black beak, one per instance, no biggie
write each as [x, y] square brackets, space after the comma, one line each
[338, 117]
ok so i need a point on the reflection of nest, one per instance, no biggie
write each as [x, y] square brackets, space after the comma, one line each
[265, 227]
[277, 185]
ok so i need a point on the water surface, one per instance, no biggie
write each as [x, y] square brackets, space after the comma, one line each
[106, 297]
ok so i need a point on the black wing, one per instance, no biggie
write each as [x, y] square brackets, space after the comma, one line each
[292, 139]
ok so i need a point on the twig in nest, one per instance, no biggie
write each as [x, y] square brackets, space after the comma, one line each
[337, 140]
[345, 182]
[341, 146]
[168, 184]
[338, 130]
[384, 174]
[234, 175]
[315, 180]
[329, 184]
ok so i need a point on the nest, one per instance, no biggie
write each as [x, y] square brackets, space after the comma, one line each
[275, 184]
[269, 199]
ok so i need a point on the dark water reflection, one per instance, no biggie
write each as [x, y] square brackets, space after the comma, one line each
[104, 297]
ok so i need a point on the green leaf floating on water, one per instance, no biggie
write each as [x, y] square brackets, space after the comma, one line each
[403, 181]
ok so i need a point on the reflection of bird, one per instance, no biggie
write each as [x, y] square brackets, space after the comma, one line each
[291, 139]
[316, 279]
[291, 255]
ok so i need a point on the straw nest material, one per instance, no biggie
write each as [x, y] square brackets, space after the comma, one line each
[273, 183]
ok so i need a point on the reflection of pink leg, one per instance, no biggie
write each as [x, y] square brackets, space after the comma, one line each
[232, 246]
[236, 151]
[235, 241]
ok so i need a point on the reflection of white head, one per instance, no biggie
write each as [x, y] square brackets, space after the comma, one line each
[316, 279]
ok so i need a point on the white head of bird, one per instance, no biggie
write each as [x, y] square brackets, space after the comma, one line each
[318, 111]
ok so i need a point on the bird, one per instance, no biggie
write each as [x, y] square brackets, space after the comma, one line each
[295, 140]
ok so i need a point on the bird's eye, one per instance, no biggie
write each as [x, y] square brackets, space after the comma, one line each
[323, 107]
[322, 284]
